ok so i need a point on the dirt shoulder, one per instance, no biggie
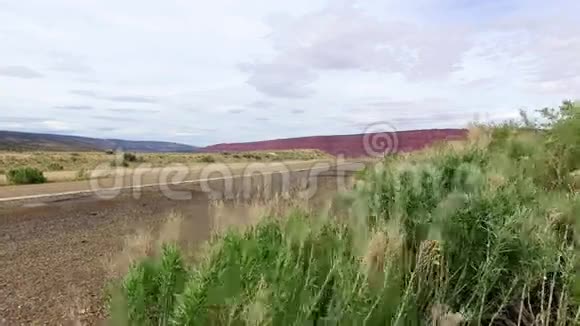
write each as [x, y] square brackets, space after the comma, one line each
[55, 256]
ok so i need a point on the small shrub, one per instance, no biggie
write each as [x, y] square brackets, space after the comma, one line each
[25, 175]
[252, 156]
[130, 157]
[207, 159]
[55, 167]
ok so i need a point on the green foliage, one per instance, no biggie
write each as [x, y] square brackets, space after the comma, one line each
[25, 175]
[149, 291]
[486, 232]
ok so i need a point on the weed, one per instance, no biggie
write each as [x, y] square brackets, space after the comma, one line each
[25, 175]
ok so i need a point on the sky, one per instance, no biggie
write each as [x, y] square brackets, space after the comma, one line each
[206, 72]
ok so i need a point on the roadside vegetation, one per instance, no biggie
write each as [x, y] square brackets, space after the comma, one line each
[25, 175]
[73, 161]
[70, 165]
[482, 234]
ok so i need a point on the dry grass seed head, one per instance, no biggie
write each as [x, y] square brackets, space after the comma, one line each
[240, 214]
[441, 316]
[135, 246]
[257, 312]
[429, 261]
[143, 243]
[374, 258]
[170, 231]
[382, 248]
[478, 136]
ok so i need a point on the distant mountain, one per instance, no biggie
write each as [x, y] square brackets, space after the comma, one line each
[21, 141]
[350, 145]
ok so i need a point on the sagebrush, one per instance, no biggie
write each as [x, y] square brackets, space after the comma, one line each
[25, 175]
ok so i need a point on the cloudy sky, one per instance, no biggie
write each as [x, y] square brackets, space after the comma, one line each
[203, 72]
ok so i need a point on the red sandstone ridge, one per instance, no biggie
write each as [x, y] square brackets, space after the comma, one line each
[350, 145]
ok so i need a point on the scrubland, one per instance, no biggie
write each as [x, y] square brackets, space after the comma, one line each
[482, 232]
[67, 166]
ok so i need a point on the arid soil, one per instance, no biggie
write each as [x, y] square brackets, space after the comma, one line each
[56, 257]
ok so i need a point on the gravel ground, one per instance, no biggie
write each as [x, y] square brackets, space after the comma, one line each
[53, 255]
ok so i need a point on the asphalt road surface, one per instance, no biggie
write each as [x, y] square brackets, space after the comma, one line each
[55, 239]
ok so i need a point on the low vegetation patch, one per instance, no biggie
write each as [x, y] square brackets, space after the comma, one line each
[207, 159]
[67, 161]
[25, 175]
[130, 157]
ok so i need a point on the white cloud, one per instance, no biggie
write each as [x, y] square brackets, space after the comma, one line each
[56, 125]
[196, 72]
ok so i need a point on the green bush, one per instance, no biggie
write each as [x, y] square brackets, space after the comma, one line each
[150, 290]
[25, 175]
[484, 234]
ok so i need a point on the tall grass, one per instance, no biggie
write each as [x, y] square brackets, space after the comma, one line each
[478, 234]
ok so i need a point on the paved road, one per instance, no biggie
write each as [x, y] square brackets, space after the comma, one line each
[153, 177]
[56, 251]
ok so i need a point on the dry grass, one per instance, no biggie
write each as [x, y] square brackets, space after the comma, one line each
[240, 214]
[576, 180]
[74, 161]
[69, 166]
[144, 242]
[135, 246]
[441, 316]
[223, 215]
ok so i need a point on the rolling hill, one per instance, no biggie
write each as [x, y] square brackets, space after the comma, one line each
[23, 141]
[350, 145]
[357, 145]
